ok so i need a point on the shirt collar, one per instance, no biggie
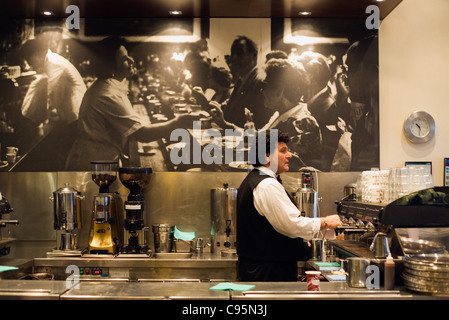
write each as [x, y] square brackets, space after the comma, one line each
[267, 171]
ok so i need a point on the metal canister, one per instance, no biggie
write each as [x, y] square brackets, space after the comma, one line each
[307, 204]
[67, 208]
[163, 238]
[357, 271]
[223, 219]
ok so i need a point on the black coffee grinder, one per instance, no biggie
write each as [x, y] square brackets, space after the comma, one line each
[136, 180]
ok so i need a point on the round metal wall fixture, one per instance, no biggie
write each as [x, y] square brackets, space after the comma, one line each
[419, 127]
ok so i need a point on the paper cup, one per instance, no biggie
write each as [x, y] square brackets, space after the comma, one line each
[313, 280]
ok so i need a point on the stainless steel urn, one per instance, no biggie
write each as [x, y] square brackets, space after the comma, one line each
[223, 220]
[307, 201]
[67, 215]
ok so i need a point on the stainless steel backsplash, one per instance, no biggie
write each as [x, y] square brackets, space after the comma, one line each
[177, 198]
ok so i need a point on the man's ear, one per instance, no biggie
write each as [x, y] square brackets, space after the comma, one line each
[278, 92]
[266, 161]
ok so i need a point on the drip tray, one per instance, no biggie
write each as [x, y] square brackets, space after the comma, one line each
[172, 255]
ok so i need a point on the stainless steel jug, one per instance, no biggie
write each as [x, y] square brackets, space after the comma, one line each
[163, 238]
[357, 271]
[380, 245]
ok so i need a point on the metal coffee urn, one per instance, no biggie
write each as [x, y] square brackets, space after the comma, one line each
[67, 219]
[307, 197]
[224, 220]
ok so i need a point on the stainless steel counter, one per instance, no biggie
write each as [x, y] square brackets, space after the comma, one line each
[32, 289]
[146, 291]
[168, 267]
[149, 290]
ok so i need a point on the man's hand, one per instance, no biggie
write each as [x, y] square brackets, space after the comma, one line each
[331, 222]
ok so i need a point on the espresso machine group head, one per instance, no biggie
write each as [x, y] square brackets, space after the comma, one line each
[136, 180]
[104, 236]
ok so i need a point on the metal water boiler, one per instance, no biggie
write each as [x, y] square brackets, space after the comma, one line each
[307, 197]
[67, 216]
[224, 220]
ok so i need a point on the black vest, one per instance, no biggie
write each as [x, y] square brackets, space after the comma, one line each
[256, 238]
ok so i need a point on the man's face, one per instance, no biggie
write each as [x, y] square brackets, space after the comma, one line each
[241, 61]
[125, 64]
[280, 158]
[272, 96]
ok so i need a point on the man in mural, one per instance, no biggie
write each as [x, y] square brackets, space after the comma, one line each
[107, 120]
[363, 83]
[283, 90]
[52, 101]
[248, 82]
[55, 96]
[270, 229]
[322, 105]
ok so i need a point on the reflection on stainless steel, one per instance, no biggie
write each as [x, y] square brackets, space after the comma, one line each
[412, 246]
[29, 192]
[173, 255]
[428, 273]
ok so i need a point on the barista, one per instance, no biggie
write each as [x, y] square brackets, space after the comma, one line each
[270, 229]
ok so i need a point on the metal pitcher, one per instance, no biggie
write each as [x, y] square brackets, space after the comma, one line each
[357, 271]
[380, 245]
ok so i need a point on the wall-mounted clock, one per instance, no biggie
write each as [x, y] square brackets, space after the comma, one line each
[419, 127]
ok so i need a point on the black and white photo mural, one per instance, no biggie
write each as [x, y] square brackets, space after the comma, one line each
[157, 93]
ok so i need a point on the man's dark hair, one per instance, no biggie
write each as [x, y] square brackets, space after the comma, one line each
[264, 138]
[249, 44]
[276, 54]
[105, 50]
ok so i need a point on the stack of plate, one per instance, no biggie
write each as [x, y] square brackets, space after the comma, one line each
[427, 273]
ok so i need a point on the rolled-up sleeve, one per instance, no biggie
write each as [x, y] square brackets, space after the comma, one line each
[272, 202]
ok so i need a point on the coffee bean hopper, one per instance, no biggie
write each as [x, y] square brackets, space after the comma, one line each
[136, 179]
[104, 235]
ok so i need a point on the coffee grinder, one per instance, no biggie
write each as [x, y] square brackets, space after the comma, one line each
[136, 180]
[104, 236]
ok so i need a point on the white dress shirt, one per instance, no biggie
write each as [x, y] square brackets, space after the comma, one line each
[272, 202]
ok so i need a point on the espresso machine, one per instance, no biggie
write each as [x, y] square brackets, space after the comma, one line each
[224, 221]
[104, 236]
[5, 208]
[67, 219]
[136, 180]
[414, 229]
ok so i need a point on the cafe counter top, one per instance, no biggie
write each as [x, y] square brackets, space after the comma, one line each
[186, 290]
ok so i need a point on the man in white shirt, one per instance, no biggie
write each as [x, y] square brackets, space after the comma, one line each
[270, 229]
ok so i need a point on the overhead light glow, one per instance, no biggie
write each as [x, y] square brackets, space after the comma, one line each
[175, 12]
[305, 13]
[47, 13]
